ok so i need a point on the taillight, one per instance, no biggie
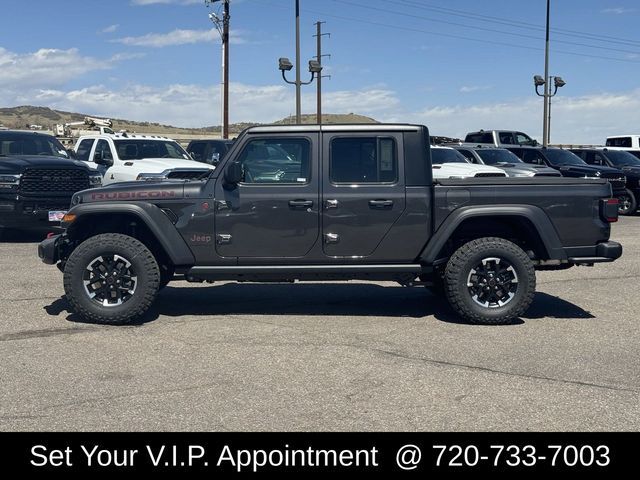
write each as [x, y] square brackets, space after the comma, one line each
[609, 209]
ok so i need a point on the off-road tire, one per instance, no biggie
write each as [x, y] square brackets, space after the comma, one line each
[143, 263]
[466, 258]
[629, 205]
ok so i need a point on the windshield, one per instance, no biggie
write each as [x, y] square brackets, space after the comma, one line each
[134, 149]
[622, 159]
[559, 157]
[21, 145]
[446, 155]
[497, 156]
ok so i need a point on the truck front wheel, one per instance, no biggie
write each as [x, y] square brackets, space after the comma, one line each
[490, 281]
[111, 279]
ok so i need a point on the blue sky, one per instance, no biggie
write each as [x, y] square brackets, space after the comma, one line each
[454, 65]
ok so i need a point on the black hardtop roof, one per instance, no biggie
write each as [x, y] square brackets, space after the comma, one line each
[336, 127]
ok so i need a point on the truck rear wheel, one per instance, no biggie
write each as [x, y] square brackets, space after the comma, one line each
[111, 279]
[490, 281]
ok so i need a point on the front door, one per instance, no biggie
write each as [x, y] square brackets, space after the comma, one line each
[274, 210]
[363, 191]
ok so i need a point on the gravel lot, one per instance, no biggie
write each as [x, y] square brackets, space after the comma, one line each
[336, 356]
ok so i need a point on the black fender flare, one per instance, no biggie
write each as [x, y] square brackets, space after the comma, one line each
[153, 217]
[538, 218]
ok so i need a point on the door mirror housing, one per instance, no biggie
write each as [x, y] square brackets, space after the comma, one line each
[100, 160]
[71, 153]
[233, 174]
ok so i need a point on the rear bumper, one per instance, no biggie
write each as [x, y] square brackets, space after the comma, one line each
[603, 252]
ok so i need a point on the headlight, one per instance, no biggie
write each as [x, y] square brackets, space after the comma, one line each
[150, 177]
[525, 174]
[9, 181]
[95, 180]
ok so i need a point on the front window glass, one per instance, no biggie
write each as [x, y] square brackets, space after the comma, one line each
[558, 157]
[276, 160]
[622, 159]
[25, 145]
[497, 156]
[135, 149]
[446, 155]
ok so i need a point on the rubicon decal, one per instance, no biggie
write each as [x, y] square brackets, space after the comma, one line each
[139, 195]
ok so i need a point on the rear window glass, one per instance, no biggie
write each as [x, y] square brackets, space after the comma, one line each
[619, 142]
[481, 137]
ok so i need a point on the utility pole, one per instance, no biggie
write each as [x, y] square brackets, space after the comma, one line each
[222, 25]
[319, 56]
[225, 43]
[545, 125]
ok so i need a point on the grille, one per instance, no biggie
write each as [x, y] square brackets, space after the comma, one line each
[36, 181]
[46, 206]
[490, 174]
[188, 174]
[616, 181]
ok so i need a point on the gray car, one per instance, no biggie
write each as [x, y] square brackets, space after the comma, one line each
[504, 159]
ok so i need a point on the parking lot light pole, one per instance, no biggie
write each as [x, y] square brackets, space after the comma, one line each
[557, 83]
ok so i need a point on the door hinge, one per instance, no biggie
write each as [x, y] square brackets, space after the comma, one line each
[223, 238]
[331, 238]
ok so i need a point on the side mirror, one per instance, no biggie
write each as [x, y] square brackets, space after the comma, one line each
[100, 160]
[534, 143]
[233, 174]
[215, 159]
[71, 153]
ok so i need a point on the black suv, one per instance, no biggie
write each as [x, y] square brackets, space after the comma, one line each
[623, 160]
[209, 151]
[37, 180]
[570, 165]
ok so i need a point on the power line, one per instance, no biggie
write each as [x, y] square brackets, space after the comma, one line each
[515, 23]
[520, 35]
[449, 35]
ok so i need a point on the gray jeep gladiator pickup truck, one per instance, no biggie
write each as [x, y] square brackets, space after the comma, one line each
[331, 202]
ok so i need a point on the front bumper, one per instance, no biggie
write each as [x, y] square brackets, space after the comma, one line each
[30, 213]
[49, 249]
[600, 253]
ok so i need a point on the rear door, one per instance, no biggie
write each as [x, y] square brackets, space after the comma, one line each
[363, 191]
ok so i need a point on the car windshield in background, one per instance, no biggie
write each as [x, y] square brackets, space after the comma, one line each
[446, 155]
[559, 157]
[23, 145]
[622, 159]
[497, 156]
[138, 149]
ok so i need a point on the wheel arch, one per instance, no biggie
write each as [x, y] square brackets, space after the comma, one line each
[146, 222]
[526, 223]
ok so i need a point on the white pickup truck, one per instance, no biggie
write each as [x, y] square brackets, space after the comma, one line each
[128, 157]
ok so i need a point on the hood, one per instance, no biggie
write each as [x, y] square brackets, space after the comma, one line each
[631, 171]
[16, 164]
[591, 171]
[161, 164]
[522, 169]
[131, 191]
[448, 170]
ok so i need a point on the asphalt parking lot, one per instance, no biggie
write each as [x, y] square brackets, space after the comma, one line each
[340, 356]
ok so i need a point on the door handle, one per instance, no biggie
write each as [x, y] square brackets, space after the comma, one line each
[380, 203]
[300, 203]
